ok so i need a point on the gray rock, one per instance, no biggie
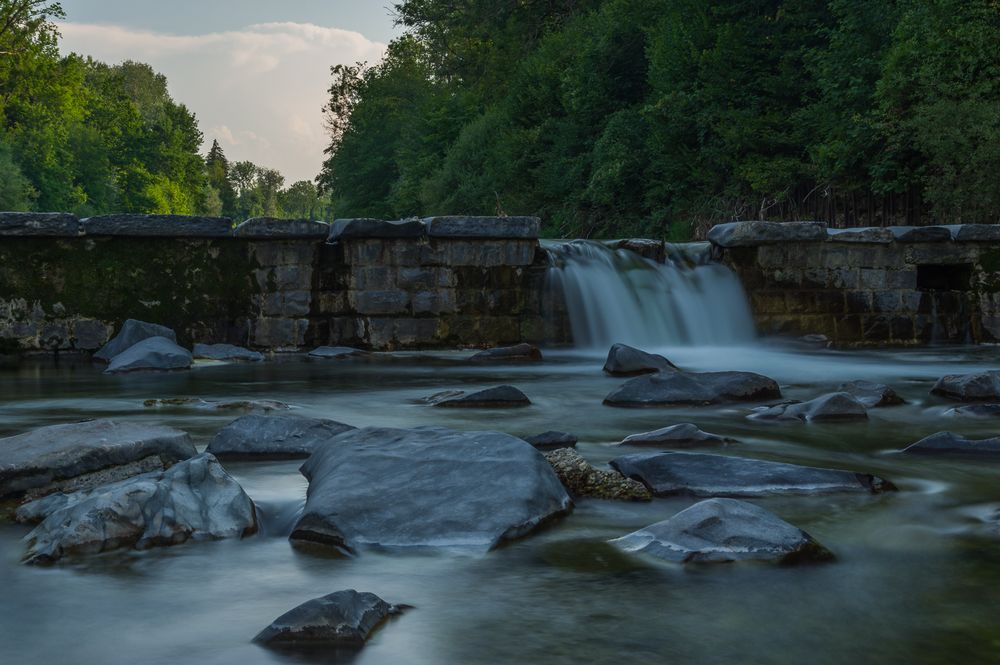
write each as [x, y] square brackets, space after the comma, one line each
[975, 411]
[516, 353]
[458, 226]
[341, 619]
[583, 480]
[490, 398]
[89, 334]
[699, 474]
[684, 435]
[49, 457]
[825, 408]
[624, 360]
[871, 394]
[949, 443]
[195, 499]
[231, 405]
[976, 387]
[226, 352]
[151, 226]
[666, 388]
[266, 228]
[132, 333]
[753, 234]
[258, 437]
[345, 229]
[868, 235]
[978, 233]
[336, 352]
[919, 234]
[427, 488]
[153, 354]
[724, 530]
[654, 250]
[39, 224]
[551, 440]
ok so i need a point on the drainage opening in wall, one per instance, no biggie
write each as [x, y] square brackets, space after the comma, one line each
[948, 277]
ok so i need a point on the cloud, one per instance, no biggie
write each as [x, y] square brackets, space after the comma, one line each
[258, 90]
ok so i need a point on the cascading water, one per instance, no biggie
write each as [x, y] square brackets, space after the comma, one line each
[615, 295]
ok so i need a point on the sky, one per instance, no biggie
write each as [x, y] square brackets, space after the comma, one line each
[255, 72]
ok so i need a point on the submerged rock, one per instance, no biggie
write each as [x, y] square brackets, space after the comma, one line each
[340, 619]
[552, 440]
[683, 435]
[871, 394]
[723, 530]
[193, 499]
[153, 354]
[949, 443]
[666, 388]
[274, 437]
[516, 353]
[226, 352]
[975, 411]
[826, 408]
[132, 333]
[582, 479]
[975, 387]
[624, 360]
[700, 474]
[49, 458]
[490, 398]
[199, 403]
[426, 488]
[336, 352]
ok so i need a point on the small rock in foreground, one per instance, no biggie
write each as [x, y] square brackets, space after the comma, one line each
[976, 387]
[582, 479]
[826, 408]
[724, 530]
[624, 360]
[340, 619]
[683, 435]
[153, 354]
[490, 398]
[516, 353]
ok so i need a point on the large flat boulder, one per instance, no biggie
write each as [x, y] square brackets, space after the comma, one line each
[499, 397]
[153, 226]
[682, 435]
[871, 394]
[347, 229]
[79, 455]
[583, 479]
[226, 352]
[699, 474]
[342, 619]
[949, 443]
[336, 352]
[39, 224]
[625, 360]
[132, 333]
[834, 407]
[667, 388]
[426, 488]
[724, 530]
[974, 387]
[754, 234]
[463, 226]
[154, 354]
[272, 228]
[516, 353]
[258, 437]
[194, 499]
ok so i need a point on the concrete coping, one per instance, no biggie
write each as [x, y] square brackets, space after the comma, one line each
[366, 227]
[39, 225]
[756, 233]
[148, 226]
[461, 226]
[272, 228]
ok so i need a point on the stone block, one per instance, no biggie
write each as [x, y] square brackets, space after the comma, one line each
[941, 253]
[921, 234]
[901, 279]
[331, 302]
[858, 302]
[412, 333]
[483, 227]
[283, 253]
[89, 334]
[344, 229]
[373, 278]
[520, 253]
[258, 228]
[862, 235]
[902, 328]
[885, 301]
[752, 234]
[876, 328]
[848, 328]
[785, 277]
[379, 302]
[978, 233]
[816, 278]
[909, 301]
[363, 252]
[434, 302]
[39, 225]
[835, 257]
[276, 333]
[152, 226]
[416, 278]
[768, 302]
[772, 256]
[296, 303]
[830, 302]
[872, 278]
[845, 278]
[293, 278]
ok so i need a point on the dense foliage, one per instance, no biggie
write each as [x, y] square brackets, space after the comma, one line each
[81, 136]
[661, 117]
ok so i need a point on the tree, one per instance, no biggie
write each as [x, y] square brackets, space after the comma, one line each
[16, 192]
[217, 172]
[301, 200]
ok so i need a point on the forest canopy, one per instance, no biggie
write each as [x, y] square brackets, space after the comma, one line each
[662, 117]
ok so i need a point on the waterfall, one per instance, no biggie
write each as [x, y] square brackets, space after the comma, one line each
[615, 295]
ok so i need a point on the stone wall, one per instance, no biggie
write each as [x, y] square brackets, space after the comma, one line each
[869, 287]
[67, 284]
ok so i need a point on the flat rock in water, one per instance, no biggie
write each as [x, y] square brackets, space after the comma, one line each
[753, 234]
[132, 333]
[581, 478]
[949, 443]
[267, 228]
[426, 488]
[552, 440]
[336, 352]
[274, 437]
[975, 387]
[826, 408]
[39, 224]
[194, 499]
[50, 457]
[226, 352]
[723, 530]
[624, 360]
[516, 353]
[340, 619]
[666, 388]
[153, 354]
[683, 435]
[975, 411]
[491, 398]
[198, 403]
[871, 394]
[700, 474]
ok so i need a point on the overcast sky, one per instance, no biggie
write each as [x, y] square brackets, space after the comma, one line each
[255, 72]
